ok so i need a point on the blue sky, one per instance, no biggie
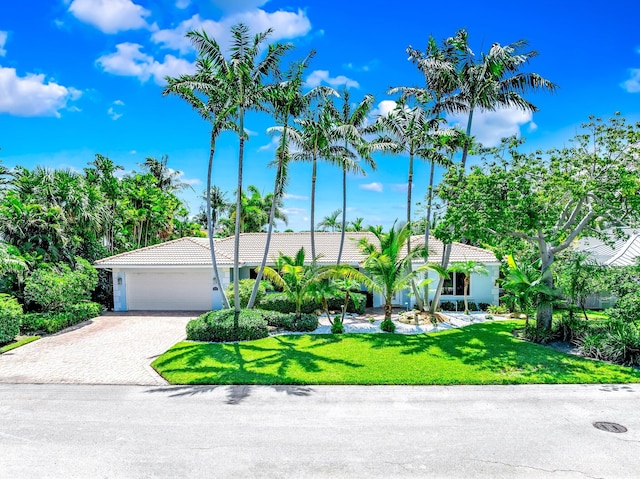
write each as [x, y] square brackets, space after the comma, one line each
[80, 77]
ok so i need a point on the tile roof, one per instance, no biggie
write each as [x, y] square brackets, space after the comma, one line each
[195, 251]
[619, 251]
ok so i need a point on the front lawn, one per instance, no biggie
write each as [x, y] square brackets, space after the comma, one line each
[485, 353]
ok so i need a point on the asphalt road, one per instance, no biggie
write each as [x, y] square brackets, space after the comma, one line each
[84, 431]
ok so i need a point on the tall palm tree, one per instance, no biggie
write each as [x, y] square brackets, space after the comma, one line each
[467, 268]
[315, 139]
[351, 124]
[168, 179]
[243, 74]
[217, 108]
[496, 81]
[287, 101]
[389, 268]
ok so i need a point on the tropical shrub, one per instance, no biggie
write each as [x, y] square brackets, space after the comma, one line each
[54, 321]
[57, 287]
[496, 309]
[337, 327]
[246, 286]
[284, 304]
[289, 321]
[10, 314]
[447, 306]
[388, 326]
[484, 306]
[218, 326]
[627, 308]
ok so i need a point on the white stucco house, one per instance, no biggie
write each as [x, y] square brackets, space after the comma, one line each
[178, 275]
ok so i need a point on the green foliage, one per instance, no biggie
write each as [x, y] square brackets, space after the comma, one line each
[290, 321]
[388, 326]
[337, 327]
[627, 308]
[218, 326]
[52, 322]
[282, 303]
[246, 286]
[484, 353]
[10, 316]
[57, 287]
[497, 309]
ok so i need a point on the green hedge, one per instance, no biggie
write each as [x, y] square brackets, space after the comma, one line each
[218, 326]
[10, 315]
[288, 321]
[53, 322]
[280, 302]
[246, 288]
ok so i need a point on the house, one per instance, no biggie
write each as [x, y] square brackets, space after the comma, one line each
[178, 275]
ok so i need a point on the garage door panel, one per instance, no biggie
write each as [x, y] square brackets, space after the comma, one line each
[169, 291]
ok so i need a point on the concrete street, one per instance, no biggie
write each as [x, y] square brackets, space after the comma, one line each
[87, 431]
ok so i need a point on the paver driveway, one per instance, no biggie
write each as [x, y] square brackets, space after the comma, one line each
[116, 348]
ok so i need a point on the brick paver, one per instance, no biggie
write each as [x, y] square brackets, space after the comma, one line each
[116, 348]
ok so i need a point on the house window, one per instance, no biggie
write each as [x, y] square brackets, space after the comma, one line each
[454, 285]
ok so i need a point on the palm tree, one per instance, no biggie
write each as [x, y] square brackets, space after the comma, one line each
[467, 268]
[494, 82]
[217, 108]
[351, 126]
[255, 211]
[356, 225]
[330, 222]
[243, 77]
[390, 269]
[168, 179]
[298, 280]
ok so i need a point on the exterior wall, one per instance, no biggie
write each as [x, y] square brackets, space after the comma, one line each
[119, 290]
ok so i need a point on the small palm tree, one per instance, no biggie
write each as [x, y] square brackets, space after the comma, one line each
[356, 225]
[389, 268]
[330, 222]
[299, 280]
[467, 268]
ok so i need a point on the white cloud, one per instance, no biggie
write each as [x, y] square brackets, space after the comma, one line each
[285, 25]
[317, 77]
[401, 187]
[384, 108]
[182, 4]
[133, 152]
[375, 186]
[32, 95]
[288, 196]
[128, 60]
[113, 114]
[110, 16]
[272, 145]
[3, 40]
[632, 85]
[489, 127]
[118, 102]
[366, 67]
[294, 212]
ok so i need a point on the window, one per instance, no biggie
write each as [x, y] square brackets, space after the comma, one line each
[454, 285]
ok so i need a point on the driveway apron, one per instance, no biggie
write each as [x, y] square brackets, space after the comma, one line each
[116, 348]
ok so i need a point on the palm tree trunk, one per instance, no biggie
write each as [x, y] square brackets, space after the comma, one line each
[344, 212]
[236, 252]
[466, 293]
[313, 206]
[277, 189]
[414, 288]
[388, 310]
[427, 229]
[446, 253]
[211, 221]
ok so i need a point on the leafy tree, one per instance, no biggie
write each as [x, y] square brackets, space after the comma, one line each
[549, 200]
[167, 179]
[389, 268]
[577, 276]
[467, 268]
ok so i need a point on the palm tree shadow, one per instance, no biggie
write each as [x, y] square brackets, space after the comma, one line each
[234, 394]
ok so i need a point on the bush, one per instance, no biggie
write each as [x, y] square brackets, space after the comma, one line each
[282, 303]
[288, 321]
[218, 326]
[246, 287]
[626, 309]
[388, 326]
[10, 314]
[53, 322]
[484, 306]
[337, 327]
[58, 287]
[447, 306]
[500, 309]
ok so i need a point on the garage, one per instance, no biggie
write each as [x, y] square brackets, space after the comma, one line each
[169, 291]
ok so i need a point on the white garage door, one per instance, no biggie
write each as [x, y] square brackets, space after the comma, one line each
[186, 291]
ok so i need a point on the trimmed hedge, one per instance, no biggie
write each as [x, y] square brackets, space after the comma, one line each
[10, 314]
[283, 304]
[288, 321]
[53, 322]
[217, 326]
[246, 288]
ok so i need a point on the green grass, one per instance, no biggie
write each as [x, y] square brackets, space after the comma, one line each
[484, 353]
[17, 343]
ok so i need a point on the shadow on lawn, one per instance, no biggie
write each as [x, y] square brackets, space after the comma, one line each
[240, 363]
[235, 394]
